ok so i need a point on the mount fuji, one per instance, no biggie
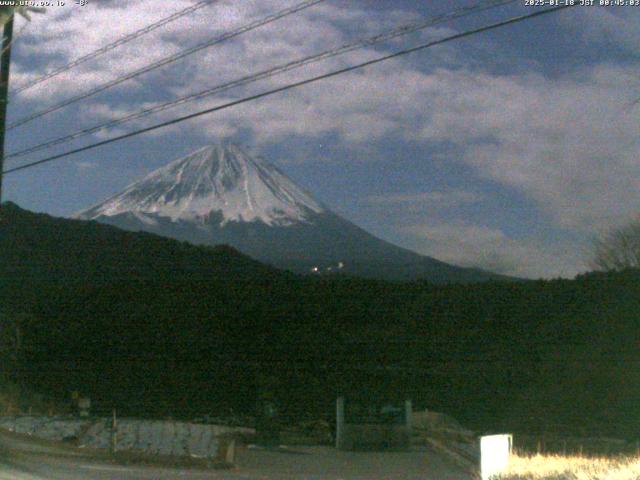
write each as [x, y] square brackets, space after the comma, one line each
[220, 194]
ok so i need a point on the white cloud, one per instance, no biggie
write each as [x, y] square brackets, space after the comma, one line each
[473, 245]
[430, 223]
[85, 165]
[307, 32]
[66, 33]
[570, 144]
[609, 26]
[452, 198]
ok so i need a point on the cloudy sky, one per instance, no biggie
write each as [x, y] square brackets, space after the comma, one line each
[507, 150]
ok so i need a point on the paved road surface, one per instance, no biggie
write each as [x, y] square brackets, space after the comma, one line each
[24, 460]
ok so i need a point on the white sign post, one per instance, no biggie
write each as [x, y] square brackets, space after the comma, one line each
[495, 451]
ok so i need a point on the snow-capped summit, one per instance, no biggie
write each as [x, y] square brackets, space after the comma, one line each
[216, 178]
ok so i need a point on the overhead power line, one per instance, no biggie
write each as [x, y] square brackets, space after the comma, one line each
[290, 86]
[295, 64]
[167, 60]
[113, 45]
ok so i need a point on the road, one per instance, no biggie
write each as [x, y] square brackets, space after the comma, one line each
[22, 459]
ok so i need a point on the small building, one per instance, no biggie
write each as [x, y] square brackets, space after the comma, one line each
[373, 423]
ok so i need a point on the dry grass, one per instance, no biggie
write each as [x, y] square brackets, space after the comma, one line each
[558, 467]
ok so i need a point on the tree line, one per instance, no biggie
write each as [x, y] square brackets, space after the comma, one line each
[163, 328]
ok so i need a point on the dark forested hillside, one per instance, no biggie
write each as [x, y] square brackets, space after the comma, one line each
[159, 327]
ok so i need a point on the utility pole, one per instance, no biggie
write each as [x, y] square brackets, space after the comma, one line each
[5, 64]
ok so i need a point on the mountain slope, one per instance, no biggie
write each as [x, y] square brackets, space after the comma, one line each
[223, 195]
[38, 249]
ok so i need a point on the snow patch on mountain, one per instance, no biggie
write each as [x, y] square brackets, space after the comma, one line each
[216, 178]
